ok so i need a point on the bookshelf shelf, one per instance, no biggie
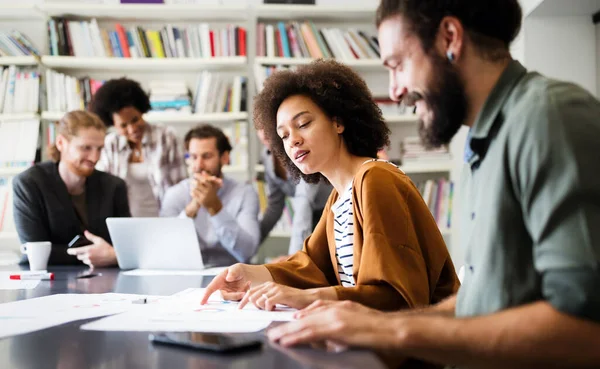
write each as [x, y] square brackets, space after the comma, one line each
[194, 118]
[18, 60]
[372, 64]
[19, 116]
[11, 171]
[163, 12]
[52, 115]
[401, 118]
[427, 167]
[277, 11]
[143, 64]
[17, 11]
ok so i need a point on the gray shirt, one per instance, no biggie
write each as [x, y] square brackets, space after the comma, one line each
[230, 236]
[530, 217]
[308, 202]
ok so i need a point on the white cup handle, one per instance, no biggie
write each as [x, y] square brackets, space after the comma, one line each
[23, 249]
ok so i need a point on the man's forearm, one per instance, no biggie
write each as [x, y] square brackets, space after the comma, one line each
[532, 336]
[445, 308]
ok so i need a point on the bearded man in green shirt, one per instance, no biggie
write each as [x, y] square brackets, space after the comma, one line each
[530, 210]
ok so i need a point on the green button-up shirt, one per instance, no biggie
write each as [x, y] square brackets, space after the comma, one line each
[530, 222]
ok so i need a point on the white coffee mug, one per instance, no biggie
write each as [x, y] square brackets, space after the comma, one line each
[38, 254]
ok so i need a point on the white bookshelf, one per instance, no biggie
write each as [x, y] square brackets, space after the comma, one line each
[368, 64]
[161, 12]
[18, 60]
[18, 116]
[143, 64]
[319, 12]
[146, 69]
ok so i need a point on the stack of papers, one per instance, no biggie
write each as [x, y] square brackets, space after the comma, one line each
[183, 313]
[179, 312]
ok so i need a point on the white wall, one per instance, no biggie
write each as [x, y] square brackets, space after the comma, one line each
[562, 48]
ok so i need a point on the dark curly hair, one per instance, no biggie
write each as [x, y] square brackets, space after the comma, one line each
[117, 94]
[341, 94]
[491, 25]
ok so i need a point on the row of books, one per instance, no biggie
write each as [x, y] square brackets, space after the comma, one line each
[262, 72]
[87, 39]
[14, 43]
[170, 96]
[438, 197]
[18, 142]
[305, 40]
[66, 93]
[412, 150]
[216, 93]
[19, 90]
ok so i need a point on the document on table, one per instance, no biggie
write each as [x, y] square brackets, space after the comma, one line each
[155, 272]
[10, 284]
[182, 312]
[30, 315]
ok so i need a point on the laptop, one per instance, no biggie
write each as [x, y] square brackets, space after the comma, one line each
[155, 243]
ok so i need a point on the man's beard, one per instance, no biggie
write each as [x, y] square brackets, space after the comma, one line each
[447, 101]
[79, 169]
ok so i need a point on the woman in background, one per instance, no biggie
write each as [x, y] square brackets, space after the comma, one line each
[148, 157]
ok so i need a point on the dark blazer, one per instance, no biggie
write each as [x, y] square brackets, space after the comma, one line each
[43, 210]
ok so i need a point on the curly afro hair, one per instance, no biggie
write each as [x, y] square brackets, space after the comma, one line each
[117, 94]
[342, 95]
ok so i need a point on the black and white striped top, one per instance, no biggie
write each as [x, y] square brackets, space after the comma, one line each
[343, 227]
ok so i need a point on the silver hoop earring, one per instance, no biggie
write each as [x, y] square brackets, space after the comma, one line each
[450, 56]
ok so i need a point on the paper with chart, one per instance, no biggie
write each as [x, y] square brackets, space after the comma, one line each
[30, 315]
[183, 312]
[158, 272]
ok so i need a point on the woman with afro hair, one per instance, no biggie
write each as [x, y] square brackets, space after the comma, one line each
[148, 157]
[377, 242]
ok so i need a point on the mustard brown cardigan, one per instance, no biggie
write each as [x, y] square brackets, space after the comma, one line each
[400, 258]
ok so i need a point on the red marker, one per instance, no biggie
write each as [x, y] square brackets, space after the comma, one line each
[22, 277]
